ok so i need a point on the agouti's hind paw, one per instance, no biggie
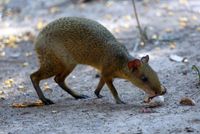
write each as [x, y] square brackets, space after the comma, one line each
[47, 101]
[82, 97]
[99, 96]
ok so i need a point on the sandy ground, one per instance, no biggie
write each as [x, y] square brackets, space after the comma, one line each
[177, 26]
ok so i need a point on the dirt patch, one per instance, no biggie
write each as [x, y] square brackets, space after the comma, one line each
[174, 29]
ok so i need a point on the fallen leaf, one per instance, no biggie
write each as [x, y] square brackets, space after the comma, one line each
[109, 3]
[1, 92]
[128, 17]
[168, 30]
[117, 30]
[126, 25]
[187, 101]
[40, 25]
[183, 2]
[28, 104]
[194, 17]
[170, 13]
[53, 10]
[183, 21]
[11, 41]
[172, 45]
[21, 88]
[9, 83]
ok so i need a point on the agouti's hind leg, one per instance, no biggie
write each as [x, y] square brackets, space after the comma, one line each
[99, 88]
[36, 77]
[60, 80]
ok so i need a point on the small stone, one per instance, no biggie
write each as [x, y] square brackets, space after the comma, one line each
[189, 129]
[21, 88]
[177, 58]
[1, 92]
[15, 55]
[54, 111]
[25, 64]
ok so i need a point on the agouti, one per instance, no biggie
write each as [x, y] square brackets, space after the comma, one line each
[69, 41]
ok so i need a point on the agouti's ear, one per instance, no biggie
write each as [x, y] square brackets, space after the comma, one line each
[134, 64]
[145, 59]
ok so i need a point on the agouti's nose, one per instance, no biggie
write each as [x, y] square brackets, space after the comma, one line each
[164, 90]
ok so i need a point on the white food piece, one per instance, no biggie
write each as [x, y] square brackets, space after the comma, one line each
[157, 101]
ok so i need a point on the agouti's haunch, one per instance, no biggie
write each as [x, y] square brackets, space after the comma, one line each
[69, 41]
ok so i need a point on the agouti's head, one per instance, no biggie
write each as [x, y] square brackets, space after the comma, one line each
[144, 77]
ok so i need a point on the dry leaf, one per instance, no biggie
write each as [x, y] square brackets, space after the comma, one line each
[109, 3]
[21, 88]
[9, 83]
[40, 25]
[1, 93]
[183, 19]
[194, 17]
[54, 10]
[126, 25]
[183, 2]
[11, 41]
[170, 13]
[168, 30]
[28, 104]
[172, 45]
[128, 17]
[117, 30]
[182, 24]
[187, 101]
[166, 7]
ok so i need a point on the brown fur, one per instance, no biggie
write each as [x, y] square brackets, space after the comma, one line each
[66, 42]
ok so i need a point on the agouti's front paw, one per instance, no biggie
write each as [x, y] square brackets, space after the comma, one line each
[120, 102]
[47, 101]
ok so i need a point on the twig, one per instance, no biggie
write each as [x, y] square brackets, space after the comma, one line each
[197, 70]
[142, 33]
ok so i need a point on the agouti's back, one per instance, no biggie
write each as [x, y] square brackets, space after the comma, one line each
[66, 42]
[84, 40]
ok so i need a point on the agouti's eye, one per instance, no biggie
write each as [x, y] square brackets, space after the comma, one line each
[144, 78]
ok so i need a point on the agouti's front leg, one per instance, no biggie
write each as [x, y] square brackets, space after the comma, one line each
[110, 85]
[99, 87]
